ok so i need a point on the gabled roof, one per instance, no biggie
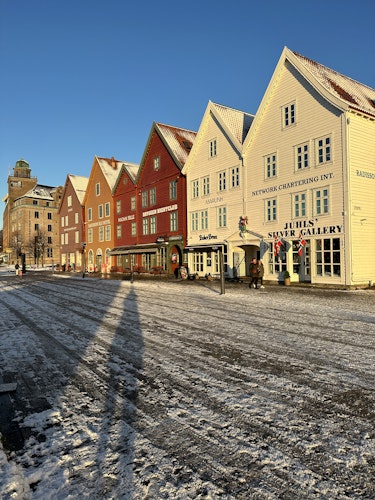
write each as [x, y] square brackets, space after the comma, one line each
[110, 169]
[356, 95]
[131, 170]
[178, 142]
[237, 122]
[341, 91]
[234, 123]
[79, 184]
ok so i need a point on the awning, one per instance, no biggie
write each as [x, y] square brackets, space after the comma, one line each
[133, 250]
[213, 246]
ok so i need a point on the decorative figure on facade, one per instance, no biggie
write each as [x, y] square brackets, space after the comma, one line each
[243, 223]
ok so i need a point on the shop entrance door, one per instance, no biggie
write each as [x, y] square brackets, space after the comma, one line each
[302, 263]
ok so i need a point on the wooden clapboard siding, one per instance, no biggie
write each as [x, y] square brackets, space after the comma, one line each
[361, 133]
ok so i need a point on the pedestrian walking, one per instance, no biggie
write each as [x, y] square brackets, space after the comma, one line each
[17, 268]
[260, 270]
[253, 273]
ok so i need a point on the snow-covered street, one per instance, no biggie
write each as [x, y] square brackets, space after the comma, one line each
[164, 389]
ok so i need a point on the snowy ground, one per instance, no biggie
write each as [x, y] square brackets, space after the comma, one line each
[172, 390]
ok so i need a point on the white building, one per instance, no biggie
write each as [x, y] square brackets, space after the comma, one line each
[310, 163]
[216, 180]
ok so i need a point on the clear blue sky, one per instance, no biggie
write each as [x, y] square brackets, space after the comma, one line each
[81, 78]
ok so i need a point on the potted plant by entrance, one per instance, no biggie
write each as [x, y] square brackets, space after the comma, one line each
[286, 278]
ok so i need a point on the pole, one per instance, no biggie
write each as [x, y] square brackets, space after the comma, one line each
[222, 276]
[83, 260]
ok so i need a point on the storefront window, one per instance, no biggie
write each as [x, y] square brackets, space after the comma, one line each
[328, 257]
[276, 264]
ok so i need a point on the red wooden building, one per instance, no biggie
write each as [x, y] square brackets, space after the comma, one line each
[150, 213]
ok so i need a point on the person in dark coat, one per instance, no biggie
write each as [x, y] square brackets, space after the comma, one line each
[253, 274]
[260, 273]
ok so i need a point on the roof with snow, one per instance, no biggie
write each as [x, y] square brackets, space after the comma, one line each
[40, 191]
[111, 169]
[357, 95]
[238, 122]
[79, 184]
[178, 140]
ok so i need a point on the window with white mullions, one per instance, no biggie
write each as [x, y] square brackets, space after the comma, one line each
[289, 114]
[299, 205]
[328, 257]
[323, 150]
[302, 156]
[271, 209]
[321, 201]
[271, 165]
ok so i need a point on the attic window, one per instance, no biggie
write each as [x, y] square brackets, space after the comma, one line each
[372, 102]
[187, 145]
[156, 163]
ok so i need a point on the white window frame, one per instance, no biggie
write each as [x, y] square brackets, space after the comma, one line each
[321, 197]
[299, 204]
[323, 150]
[235, 177]
[133, 203]
[195, 188]
[195, 221]
[222, 216]
[153, 224]
[152, 196]
[270, 165]
[302, 156]
[206, 185]
[145, 226]
[157, 163]
[173, 221]
[97, 189]
[222, 180]
[173, 190]
[212, 148]
[289, 114]
[144, 199]
[271, 209]
[204, 219]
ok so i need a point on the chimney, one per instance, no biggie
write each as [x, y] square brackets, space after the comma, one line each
[113, 163]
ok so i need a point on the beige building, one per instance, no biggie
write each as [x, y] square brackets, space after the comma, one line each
[310, 158]
[216, 181]
[30, 219]
[72, 223]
